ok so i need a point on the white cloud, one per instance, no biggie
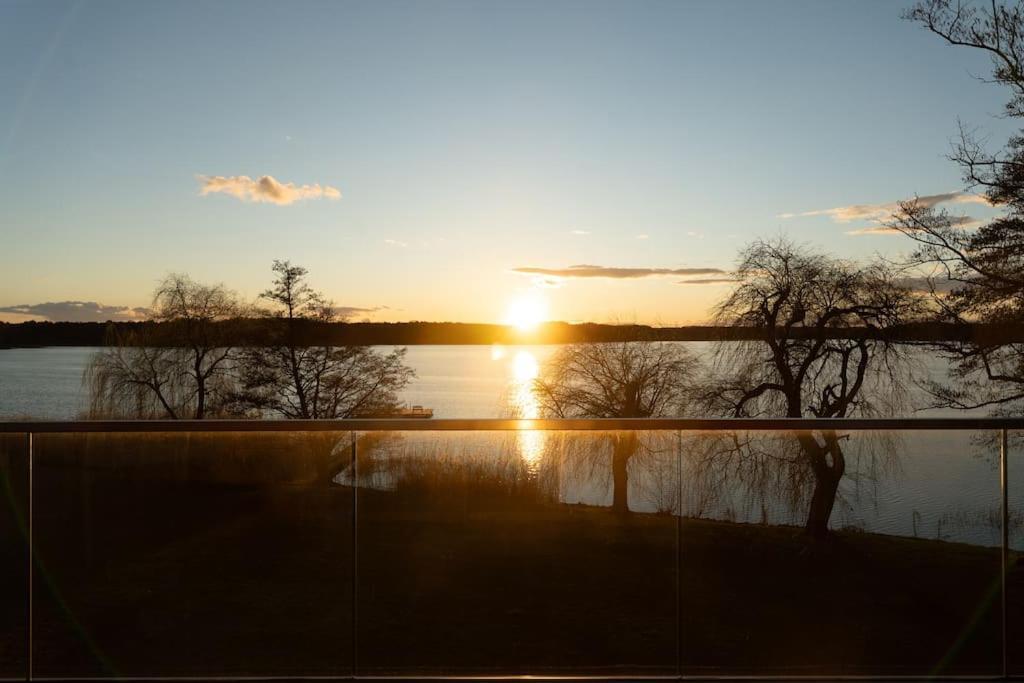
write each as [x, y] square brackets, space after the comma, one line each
[643, 236]
[580, 232]
[265, 189]
[396, 243]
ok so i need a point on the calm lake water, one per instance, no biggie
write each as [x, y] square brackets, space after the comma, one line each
[940, 484]
[456, 381]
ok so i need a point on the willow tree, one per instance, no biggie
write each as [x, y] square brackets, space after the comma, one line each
[177, 366]
[823, 350]
[617, 380]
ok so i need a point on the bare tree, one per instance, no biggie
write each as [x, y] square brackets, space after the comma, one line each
[825, 352]
[617, 379]
[996, 28]
[179, 366]
[986, 266]
[297, 379]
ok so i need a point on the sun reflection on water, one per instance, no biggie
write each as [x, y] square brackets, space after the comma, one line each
[525, 369]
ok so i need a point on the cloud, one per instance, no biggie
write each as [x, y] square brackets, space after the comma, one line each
[347, 312]
[965, 222]
[396, 243]
[921, 284]
[643, 236]
[580, 232]
[709, 281]
[584, 270]
[883, 212]
[90, 311]
[265, 189]
[78, 311]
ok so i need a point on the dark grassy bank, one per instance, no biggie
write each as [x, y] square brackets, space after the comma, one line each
[195, 570]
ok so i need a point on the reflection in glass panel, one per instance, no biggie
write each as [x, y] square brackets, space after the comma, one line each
[1015, 565]
[904, 579]
[489, 553]
[13, 555]
[193, 555]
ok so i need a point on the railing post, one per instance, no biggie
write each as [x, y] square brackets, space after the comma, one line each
[355, 555]
[679, 554]
[31, 550]
[1005, 546]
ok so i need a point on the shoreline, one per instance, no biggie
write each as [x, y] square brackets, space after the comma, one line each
[252, 332]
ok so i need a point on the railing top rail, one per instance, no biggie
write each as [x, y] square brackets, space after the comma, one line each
[464, 425]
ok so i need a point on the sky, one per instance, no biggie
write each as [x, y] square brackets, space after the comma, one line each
[461, 161]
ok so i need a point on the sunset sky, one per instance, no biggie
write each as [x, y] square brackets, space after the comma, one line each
[443, 160]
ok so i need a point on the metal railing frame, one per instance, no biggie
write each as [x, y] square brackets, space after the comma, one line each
[488, 424]
[1001, 425]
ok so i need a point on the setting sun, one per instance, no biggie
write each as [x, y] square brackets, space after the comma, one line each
[526, 312]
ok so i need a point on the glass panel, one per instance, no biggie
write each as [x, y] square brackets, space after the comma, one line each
[1015, 566]
[193, 555]
[517, 553]
[14, 555]
[903, 581]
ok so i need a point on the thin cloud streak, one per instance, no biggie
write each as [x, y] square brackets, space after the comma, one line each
[709, 281]
[882, 212]
[265, 189]
[965, 222]
[923, 285]
[592, 271]
[348, 312]
[93, 312]
[79, 312]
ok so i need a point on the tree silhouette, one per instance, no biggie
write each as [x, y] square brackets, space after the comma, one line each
[985, 267]
[617, 379]
[296, 379]
[178, 368]
[799, 368]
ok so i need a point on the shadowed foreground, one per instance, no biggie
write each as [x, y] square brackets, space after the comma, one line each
[157, 573]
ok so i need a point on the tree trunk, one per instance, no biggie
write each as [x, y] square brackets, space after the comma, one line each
[200, 413]
[822, 501]
[625, 447]
[828, 471]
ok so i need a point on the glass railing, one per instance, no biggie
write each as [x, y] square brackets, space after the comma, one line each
[604, 548]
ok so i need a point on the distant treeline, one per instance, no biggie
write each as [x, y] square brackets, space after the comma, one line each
[251, 332]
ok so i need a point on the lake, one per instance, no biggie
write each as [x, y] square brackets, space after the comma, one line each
[942, 484]
[456, 381]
